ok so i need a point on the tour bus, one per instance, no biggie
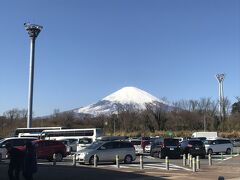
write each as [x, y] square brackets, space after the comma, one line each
[33, 132]
[92, 133]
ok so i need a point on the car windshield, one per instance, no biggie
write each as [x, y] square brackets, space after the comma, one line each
[85, 141]
[194, 143]
[135, 142]
[156, 140]
[208, 142]
[95, 145]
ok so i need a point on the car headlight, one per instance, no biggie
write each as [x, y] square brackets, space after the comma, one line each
[83, 154]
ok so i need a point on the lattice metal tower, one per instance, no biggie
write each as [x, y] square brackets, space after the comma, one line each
[220, 79]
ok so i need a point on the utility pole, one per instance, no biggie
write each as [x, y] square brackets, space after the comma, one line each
[204, 122]
[33, 31]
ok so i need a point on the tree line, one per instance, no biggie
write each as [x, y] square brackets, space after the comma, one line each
[184, 115]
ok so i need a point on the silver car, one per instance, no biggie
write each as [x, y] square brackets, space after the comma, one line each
[218, 146]
[106, 151]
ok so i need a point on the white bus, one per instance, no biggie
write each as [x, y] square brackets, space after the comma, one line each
[92, 133]
[33, 132]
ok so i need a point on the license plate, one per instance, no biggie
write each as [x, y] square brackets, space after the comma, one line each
[171, 149]
[197, 148]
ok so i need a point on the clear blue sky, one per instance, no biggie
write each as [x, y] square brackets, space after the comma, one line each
[89, 49]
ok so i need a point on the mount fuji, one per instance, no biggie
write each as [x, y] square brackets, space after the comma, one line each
[127, 98]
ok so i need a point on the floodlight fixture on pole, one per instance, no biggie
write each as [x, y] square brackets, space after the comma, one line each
[220, 79]
[33, 31]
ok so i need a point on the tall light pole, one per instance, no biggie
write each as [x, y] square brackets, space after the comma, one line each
[220, 79]
[33, 31]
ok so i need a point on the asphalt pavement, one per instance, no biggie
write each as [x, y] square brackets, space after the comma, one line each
[153, 169]
[47, 172]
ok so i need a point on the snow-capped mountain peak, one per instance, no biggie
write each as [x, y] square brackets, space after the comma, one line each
[130, 97]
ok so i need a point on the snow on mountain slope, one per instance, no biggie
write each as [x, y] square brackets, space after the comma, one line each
[127, 97]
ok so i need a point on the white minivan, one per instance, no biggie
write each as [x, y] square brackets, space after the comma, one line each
[218, 146]
[14, 141]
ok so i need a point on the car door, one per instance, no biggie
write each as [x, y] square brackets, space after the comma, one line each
[42, 151]
[226, 144]
[218, 146]
[105, 152]
[38, 146]
[119, 149]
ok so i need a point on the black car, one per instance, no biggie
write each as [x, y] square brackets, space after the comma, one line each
[200, 138]
[168, 147]
[195, 147]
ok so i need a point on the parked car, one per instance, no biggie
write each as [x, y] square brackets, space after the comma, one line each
[235, 142]
[46, 148]
[140, 143]
[83, 143]
[200, 138]
[153, 142]
[137, 145]
[15, 142]
[168, 147]
[218, 146]
[144, 142]
[195, 147]
[106, 151]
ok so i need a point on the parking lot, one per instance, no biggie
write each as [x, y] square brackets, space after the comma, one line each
[153, 168]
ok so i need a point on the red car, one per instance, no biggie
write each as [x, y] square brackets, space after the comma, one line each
[46, 148]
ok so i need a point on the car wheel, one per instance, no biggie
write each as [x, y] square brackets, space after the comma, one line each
[91, 160]
[128, 159]
[210, 151]
[151, 154]
[50, 159]
[59, 157]
[228, 151]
